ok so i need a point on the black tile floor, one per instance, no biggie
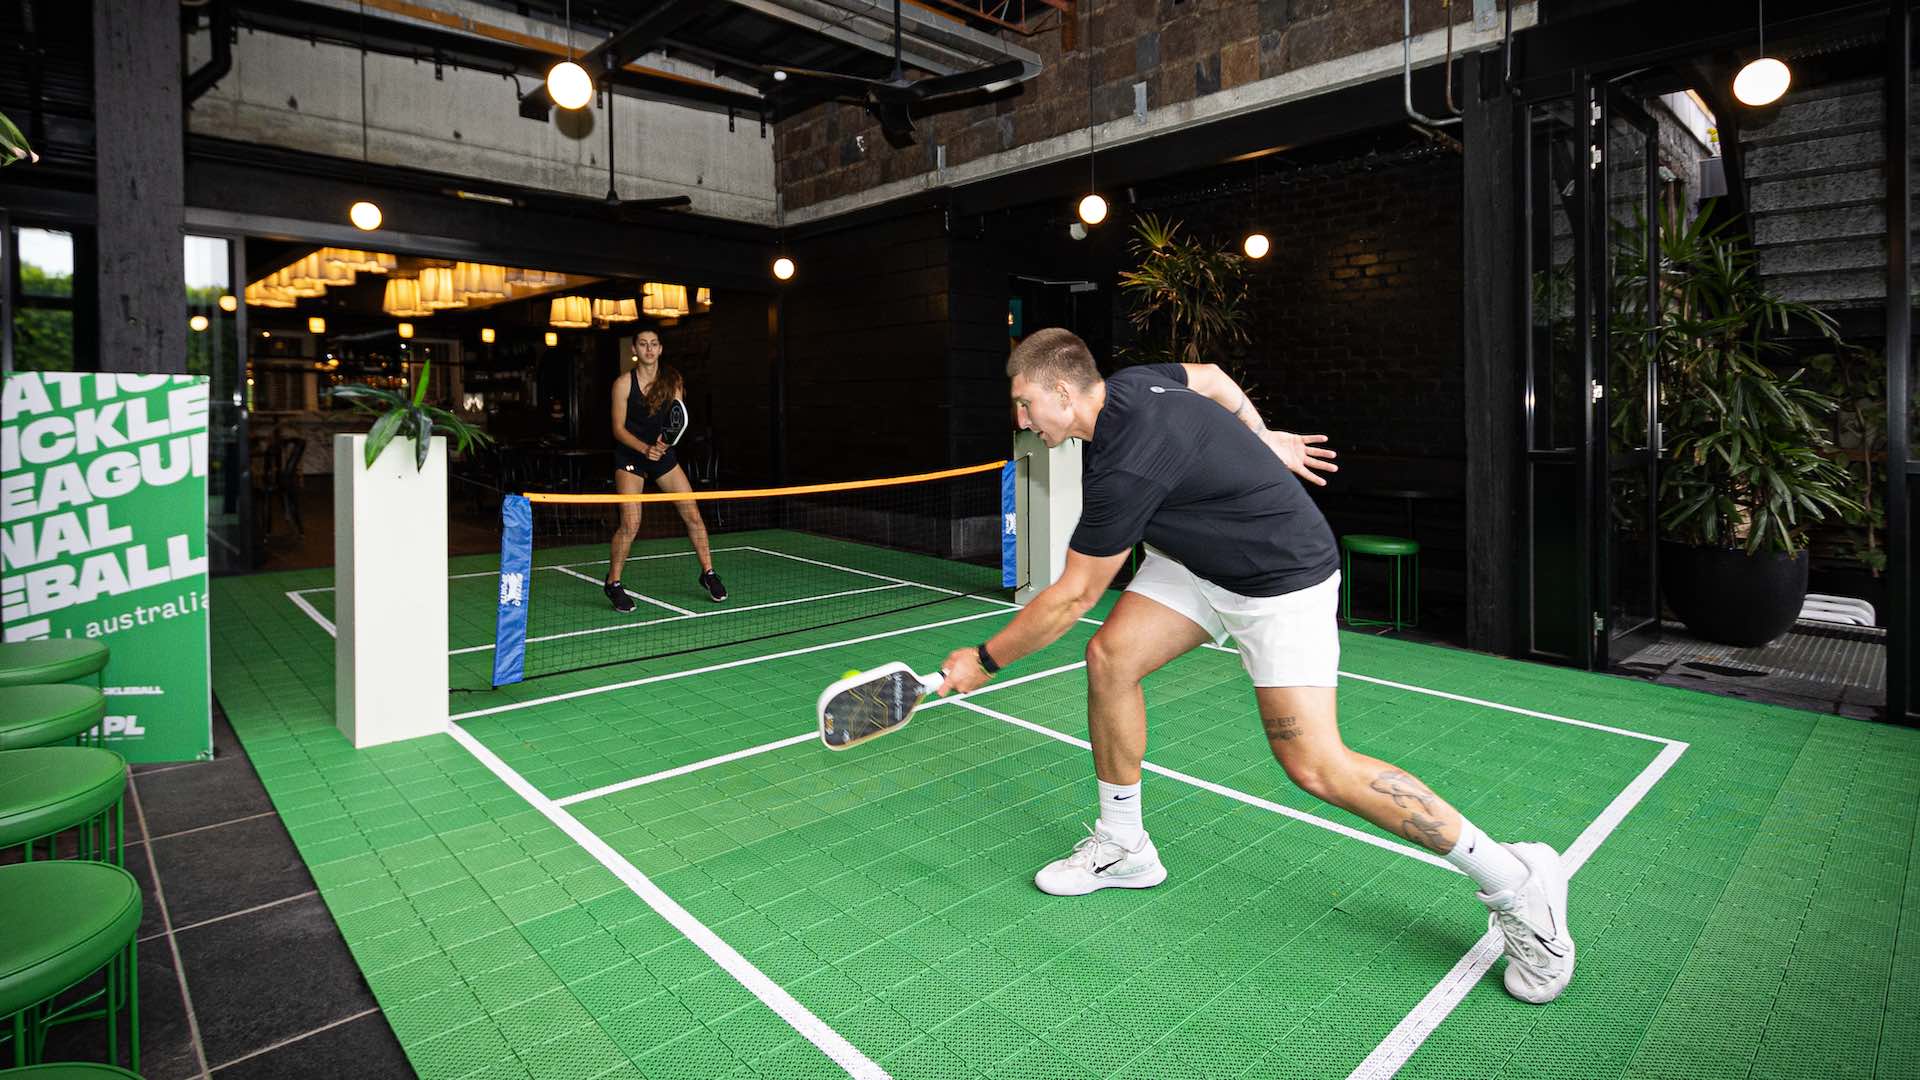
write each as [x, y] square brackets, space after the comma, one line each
[242, 971]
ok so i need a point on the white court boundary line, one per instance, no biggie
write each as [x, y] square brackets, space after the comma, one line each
[1400, 1044]
[798, 1016]
[731, 610]
[571, 572]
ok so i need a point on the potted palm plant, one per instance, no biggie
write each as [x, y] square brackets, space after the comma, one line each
[1185, 298]
[1749, 468]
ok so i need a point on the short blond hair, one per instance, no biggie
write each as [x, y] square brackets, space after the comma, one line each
[1054, 353]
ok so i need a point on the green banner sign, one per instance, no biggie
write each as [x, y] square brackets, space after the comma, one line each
[103, 534]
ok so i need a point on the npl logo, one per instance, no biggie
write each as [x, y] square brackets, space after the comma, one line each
[124, 726]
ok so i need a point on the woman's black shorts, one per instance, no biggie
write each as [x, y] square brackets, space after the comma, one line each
[627, 459]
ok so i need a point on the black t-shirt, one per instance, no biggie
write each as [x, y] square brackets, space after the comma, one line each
[1170, 466]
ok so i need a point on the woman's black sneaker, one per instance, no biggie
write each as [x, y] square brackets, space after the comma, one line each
[617, 595]
[711, 582]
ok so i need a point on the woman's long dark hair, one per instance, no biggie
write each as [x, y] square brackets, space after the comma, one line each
[667, 383]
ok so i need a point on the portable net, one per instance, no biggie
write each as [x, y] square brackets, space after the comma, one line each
[791, 559]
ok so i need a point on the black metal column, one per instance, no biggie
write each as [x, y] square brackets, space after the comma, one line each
[141, 184]
[1490, 235]
[1901, 468]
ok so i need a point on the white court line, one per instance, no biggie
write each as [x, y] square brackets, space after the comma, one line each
[554, 566]
[300, 602]
[592, 690]
[815, 1030]
[729, 610]
[1218, 789]
[570, 572]
[1413, 1029]
[779, 744]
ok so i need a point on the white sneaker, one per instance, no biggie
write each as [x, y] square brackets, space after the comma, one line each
[1533, 919]
[1099, 862]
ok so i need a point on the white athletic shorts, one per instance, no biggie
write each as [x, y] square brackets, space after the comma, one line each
[1289, 640]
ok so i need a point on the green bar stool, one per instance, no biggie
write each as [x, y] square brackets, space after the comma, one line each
[51, 790]
[68, 1070]
[58, 660]
[49, 715]
[61, 922]
[1405, 554]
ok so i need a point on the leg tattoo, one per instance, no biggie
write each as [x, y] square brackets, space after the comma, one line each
[1281, 728]
[1412, 796]
[1404, 790]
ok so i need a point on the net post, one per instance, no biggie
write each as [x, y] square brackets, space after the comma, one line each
[516, 583]
[1047, 508]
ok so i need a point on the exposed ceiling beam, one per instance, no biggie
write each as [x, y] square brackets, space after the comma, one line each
[629, 43]
[472, 45]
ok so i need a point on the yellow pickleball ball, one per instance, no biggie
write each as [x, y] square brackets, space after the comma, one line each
[849, 673]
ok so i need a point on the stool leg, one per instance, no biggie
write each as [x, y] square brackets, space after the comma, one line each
[1396, 591]
[133, 1002]
[112, 1016]
[1416, 590]
[1346, 586]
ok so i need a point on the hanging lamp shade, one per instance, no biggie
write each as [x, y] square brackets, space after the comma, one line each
[570, 312]
[297, 287]
[402, 299]
[437, 292]
[703, 299]
[478, 281]
[615, 311]
[260, 294]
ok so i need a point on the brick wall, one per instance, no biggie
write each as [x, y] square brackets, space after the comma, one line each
[1356, 313]
[1182, 50]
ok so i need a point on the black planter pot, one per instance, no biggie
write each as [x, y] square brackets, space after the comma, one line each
[1731, 597]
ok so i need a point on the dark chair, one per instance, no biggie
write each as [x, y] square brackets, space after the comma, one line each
[281, 477]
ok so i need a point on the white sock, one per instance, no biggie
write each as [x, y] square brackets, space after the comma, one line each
[1120, 813]
[1489, 864]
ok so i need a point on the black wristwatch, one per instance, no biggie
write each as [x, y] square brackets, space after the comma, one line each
[986, 659]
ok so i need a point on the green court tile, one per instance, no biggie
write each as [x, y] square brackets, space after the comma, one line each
[887, 888]
[583, 1051]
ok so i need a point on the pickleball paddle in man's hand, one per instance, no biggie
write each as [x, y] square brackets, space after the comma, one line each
[866, 705]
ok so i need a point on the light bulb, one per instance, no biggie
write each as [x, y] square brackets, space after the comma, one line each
[569, 85]
[198, 323]
[552, 339]
[316, 325]
[1256, 245]
[1762, 82]
[1093, 209]
[783, 268]
[486, 334]
[229, 302]
[405, 329]
[365, 216]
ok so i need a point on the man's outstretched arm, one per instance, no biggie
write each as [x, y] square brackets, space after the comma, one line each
[1302, 454]
[1040, 623]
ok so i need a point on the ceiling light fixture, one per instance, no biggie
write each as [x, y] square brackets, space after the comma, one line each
[1764, 80]
[1093, 208]
[364, 214]
[568, 84]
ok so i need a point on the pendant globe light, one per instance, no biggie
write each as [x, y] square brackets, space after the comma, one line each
[1764, 80]
[1093, 208]
[568, 84]
[365, 214]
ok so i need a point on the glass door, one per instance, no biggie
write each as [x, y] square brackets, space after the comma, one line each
[1627, 453]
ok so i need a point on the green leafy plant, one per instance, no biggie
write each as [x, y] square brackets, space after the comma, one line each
[410, 418]
[1185, 298]
[13, 145]
[1750, 461]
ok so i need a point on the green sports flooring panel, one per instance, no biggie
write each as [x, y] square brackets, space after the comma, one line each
[531, 898]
